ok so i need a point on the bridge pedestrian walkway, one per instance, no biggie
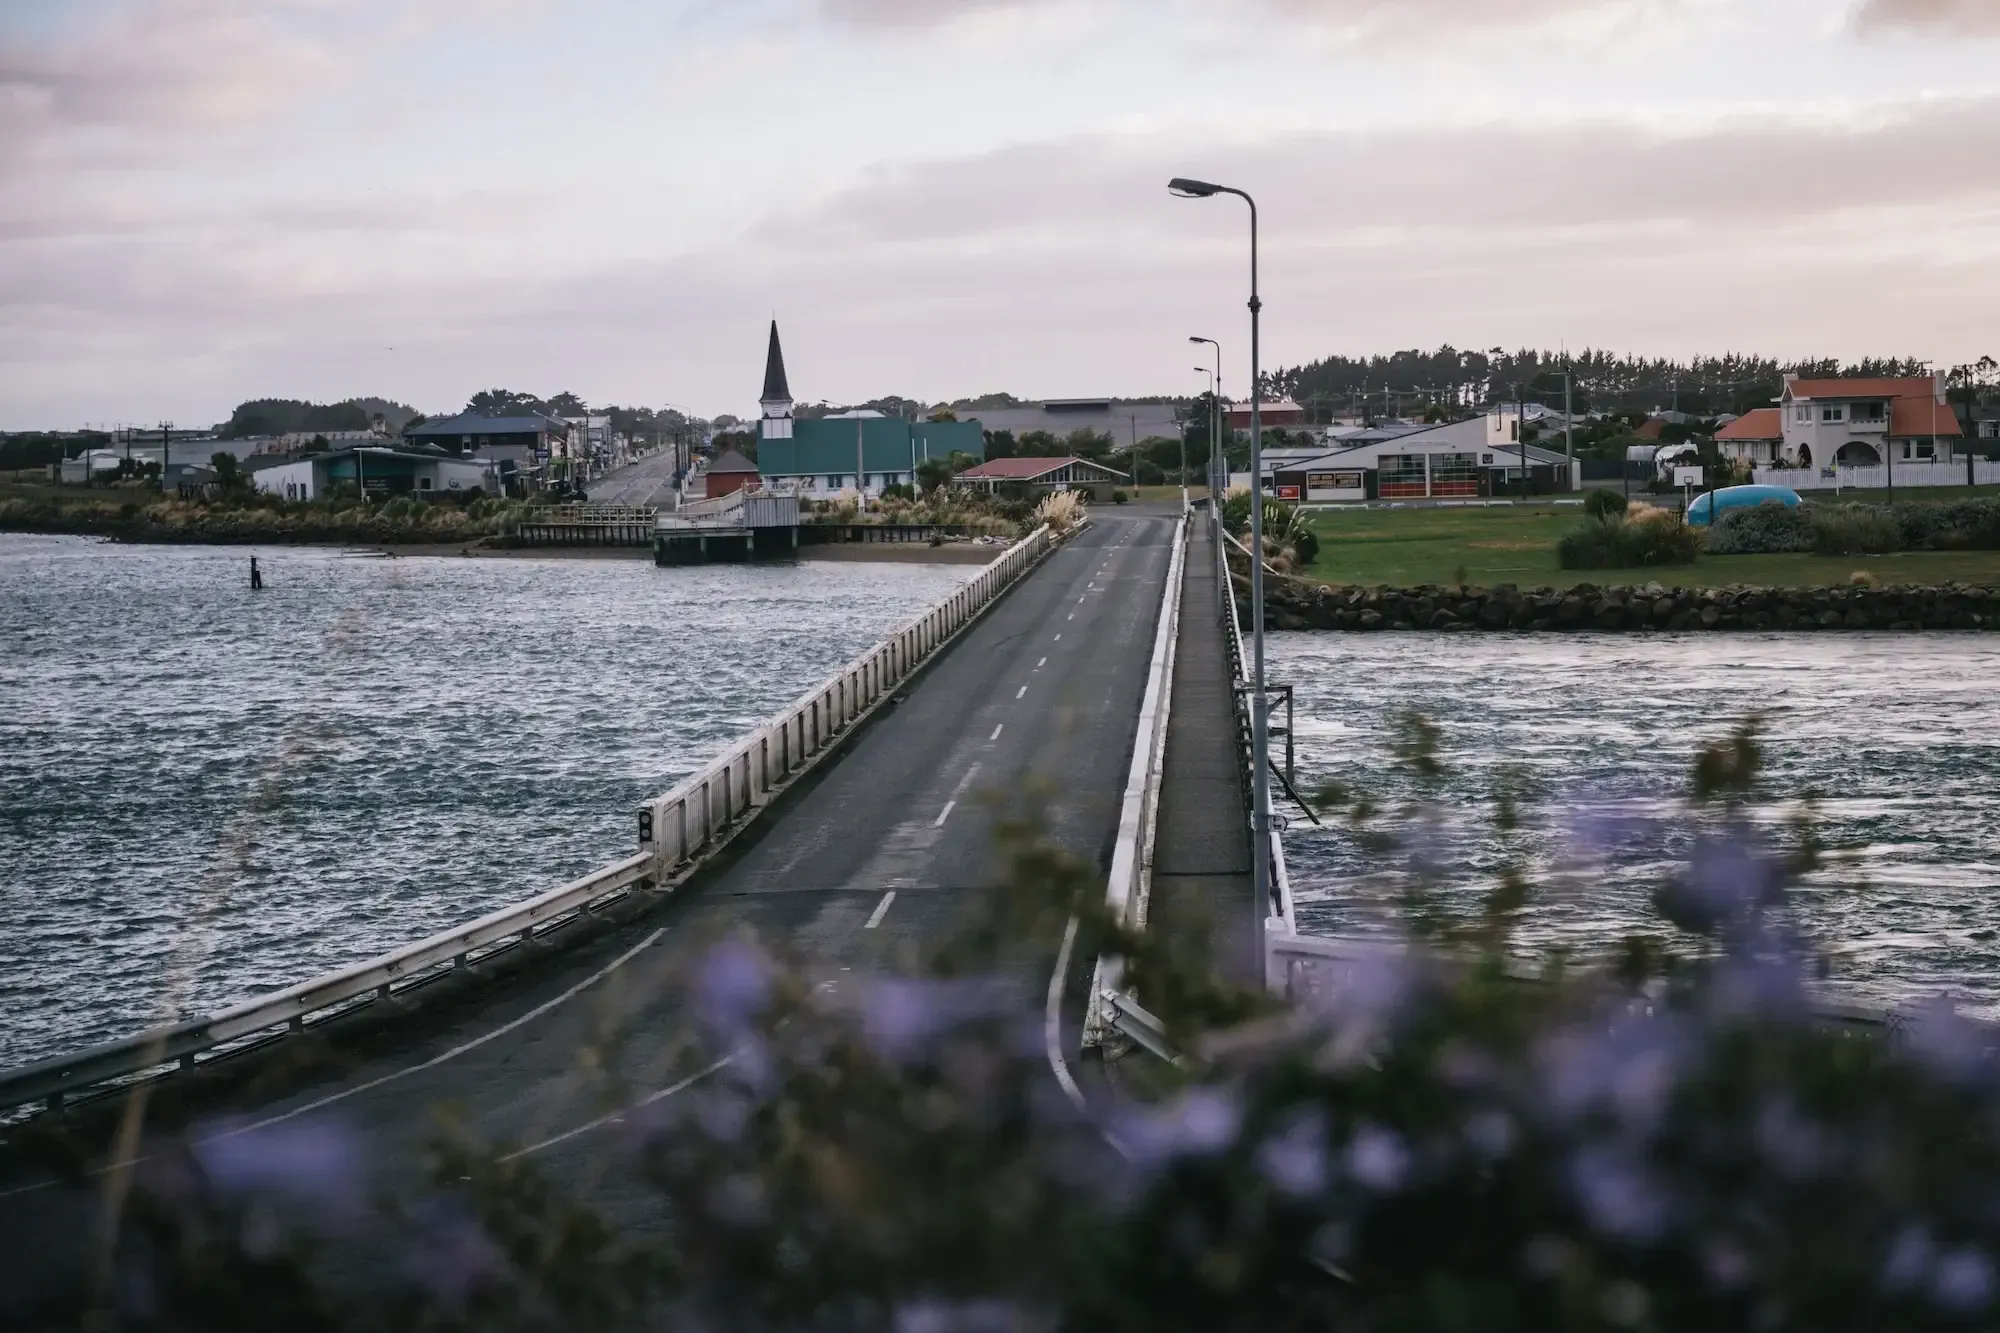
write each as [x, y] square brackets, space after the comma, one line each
[1202, 886]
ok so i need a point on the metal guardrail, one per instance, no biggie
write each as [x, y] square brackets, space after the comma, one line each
[674, 830]
[589, 515]
[1129, 888]
[1280, 906]
[685, 821]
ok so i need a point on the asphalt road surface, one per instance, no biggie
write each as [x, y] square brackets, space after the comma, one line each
[881, 851]
[650, 481]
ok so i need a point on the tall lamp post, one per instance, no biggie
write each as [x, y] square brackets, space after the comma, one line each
[1210, 428]
[1260, 707]
[1218, 466]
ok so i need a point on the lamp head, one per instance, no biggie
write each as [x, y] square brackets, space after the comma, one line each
[1192, 189]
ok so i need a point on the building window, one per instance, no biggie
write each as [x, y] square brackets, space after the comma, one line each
[1833, 414]
[1990, 429]
[1926, 450]
[1804, 414]
[1868, 411]
[833, 483]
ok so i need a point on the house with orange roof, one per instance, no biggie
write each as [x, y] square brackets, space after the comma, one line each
[1866, 422]
[1755, 437]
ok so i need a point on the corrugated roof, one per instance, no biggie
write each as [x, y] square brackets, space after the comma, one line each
[1764, 423]
[729, 461]
[471, 423]
[1027, 469]
[1902, 387]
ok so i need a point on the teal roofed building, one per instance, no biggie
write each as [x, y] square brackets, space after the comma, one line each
[861, 451]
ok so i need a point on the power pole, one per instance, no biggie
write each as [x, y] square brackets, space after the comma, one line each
[1521, 431]
[166, 450]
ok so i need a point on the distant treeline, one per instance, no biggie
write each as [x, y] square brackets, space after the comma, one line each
[287, 416]
[28, 449]
[1604, 381]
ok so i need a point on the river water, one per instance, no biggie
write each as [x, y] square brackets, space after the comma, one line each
[1898, 735]
[206, 794]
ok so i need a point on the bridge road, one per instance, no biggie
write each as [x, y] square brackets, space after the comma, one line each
[650, 481]
[883, 849]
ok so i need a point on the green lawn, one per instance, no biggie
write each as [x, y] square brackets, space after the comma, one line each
[1406, 547]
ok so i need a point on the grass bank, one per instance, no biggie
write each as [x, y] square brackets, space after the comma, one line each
[1406, 548]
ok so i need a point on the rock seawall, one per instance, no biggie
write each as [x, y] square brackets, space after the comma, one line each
[1293, 605]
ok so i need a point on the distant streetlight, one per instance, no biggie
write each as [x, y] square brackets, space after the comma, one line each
[1217, 465]
[1260, 707]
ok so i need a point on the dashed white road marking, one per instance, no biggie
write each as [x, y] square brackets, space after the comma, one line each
[882, 909]
[1039, 665]
[949, 806]
[1058, 638]
[1021, 693]
[996, 732]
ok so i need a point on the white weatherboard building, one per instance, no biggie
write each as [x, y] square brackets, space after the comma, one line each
[376, 471]
[1458, 461]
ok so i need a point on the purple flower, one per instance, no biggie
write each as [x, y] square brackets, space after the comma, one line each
[1294, 1160]
[1909, 1260]
[900, 1017]
[451, 1255]
[1963, 1281]
[1944, 1039]
[934, 1316]
[1617, 1194]
[1490, 1134]
[1377, 1159]
[1794, 1143]
[1630, 1067]
[1199, 1123]
[316, 1162]
[734, 987]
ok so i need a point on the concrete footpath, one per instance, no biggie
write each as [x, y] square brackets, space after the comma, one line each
[1201, 862]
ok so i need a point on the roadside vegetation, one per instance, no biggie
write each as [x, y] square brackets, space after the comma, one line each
[1663, 1133]
[972, 512]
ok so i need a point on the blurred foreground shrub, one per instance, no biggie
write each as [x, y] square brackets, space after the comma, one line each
[1674, 1136]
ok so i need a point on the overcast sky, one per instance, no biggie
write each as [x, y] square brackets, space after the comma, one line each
[207, 200]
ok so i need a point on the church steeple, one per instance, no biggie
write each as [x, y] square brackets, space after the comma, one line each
[777, 398]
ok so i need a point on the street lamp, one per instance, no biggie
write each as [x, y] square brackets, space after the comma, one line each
[1217, 464]
[1203, 370]
[1260, 707]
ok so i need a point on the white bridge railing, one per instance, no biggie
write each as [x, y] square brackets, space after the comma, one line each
[687, 820]
[1130, 887]
[675, 830]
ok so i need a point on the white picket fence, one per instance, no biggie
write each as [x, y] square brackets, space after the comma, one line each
[1959, 472]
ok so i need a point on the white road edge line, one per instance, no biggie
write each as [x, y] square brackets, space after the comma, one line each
[881, 910]
[431, 1063]
[949, 806]
[455, 1051]
[617, 1116]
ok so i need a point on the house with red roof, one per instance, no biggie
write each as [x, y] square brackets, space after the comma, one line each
[1864, 422]
[1755, 437]
[1045, 475]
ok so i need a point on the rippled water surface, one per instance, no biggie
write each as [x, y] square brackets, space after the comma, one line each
[206, 793]
[1899, 735]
